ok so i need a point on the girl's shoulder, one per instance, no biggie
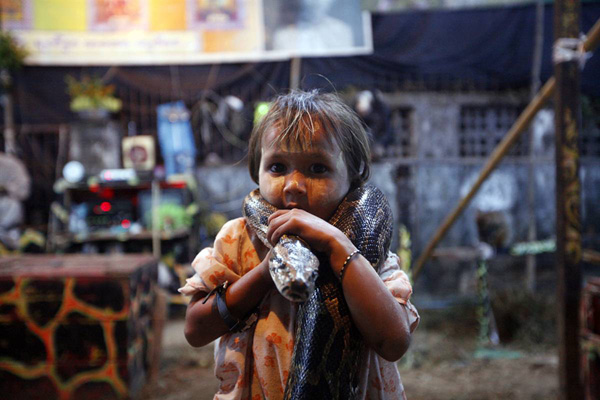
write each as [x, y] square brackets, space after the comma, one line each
[236, 224]
[233, 229]
[225, 261]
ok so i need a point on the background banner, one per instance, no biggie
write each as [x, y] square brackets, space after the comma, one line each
[143, 32]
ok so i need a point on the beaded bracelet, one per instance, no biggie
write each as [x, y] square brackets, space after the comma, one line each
[355, 252]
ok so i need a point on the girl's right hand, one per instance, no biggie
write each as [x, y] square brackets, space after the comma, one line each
[203, 323]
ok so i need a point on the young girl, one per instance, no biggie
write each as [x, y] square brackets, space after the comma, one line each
[306, 154]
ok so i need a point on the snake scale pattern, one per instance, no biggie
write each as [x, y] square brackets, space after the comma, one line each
[328, 345]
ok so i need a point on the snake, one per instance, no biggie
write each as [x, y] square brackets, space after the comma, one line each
[327, 345]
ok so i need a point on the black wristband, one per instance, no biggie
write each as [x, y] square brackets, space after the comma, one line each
[234, 324]
[231, 322]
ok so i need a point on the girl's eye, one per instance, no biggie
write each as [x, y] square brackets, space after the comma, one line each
[318, 169]
[277, 168]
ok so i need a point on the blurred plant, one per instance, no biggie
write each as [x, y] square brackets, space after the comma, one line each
[591, 349]
[91, 94]
[12, 57]
[404, 250]
[213, 223]
[12, 54]
[170, 217]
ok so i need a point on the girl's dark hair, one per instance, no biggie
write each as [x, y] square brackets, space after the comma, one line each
[299, 114]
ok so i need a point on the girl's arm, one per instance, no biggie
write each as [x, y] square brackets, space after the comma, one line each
[382, 321]
[203, 324]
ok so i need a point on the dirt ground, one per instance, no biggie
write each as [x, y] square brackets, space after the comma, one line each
[442, 363]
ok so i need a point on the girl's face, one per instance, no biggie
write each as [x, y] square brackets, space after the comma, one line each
[315, 179]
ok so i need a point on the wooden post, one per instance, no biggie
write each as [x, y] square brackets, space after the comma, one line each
[536, 67]
[568, 188]
[156, 230]
[10, 141]
[295, 67]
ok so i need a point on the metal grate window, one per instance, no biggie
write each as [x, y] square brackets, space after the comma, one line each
[482, 127]
[401, 126]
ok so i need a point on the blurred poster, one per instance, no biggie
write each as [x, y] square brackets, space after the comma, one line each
[139, 32]
[16, 14]
[317, 27]
[117, 15]
[215, 14]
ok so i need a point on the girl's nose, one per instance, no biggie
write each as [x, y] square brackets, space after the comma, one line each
[295, 183]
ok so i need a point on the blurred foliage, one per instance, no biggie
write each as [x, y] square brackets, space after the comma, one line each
[168, 259]
[213, 223]
[404, 250]
[90, 93]
[171, 217]
[591, 349]
[12, 54]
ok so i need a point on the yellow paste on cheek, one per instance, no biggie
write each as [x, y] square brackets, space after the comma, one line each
[323, 193]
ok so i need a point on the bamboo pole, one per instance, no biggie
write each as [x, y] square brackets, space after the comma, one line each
[513, 134]
[568, 203]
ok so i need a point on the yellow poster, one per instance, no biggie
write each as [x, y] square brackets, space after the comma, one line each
[167, 15]
[59, 15]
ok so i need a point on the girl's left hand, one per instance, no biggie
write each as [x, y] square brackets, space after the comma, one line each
[320, 235]
[382, 321]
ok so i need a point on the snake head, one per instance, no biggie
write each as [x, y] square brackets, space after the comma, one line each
[293, 268]
[296, 291]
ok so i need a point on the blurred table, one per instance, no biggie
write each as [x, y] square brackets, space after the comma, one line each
[75, 326]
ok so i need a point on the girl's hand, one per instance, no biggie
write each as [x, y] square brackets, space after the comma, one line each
[382, 321]
[203, 323]
[320, 235]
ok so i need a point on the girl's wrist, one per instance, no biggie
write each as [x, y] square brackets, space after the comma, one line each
[340, 249]
[264, 271]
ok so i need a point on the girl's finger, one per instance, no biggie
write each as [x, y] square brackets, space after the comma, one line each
[281, 226]
[293, 222]
[279, 232]
[277, 214]
[275, 222]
